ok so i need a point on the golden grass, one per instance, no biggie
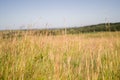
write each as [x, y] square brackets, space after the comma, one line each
[91, 56]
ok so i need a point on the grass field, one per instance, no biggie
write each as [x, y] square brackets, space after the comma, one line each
[88, 56]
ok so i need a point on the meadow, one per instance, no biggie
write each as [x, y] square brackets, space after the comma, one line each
[84, 56]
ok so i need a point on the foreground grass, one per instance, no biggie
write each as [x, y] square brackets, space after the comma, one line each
[91, 56]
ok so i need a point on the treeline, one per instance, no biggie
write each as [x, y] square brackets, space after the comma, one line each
[95, 28]
[74, 30]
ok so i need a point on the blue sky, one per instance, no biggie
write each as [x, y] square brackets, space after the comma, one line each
[15, 14]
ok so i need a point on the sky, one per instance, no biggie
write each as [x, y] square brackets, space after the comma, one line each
[20, 14]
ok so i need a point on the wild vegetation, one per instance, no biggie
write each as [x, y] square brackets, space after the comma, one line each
[83, 56]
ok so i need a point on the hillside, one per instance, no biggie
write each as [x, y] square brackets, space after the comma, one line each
[96, 28]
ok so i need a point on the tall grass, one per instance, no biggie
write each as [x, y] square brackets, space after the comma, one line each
[91, 56]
